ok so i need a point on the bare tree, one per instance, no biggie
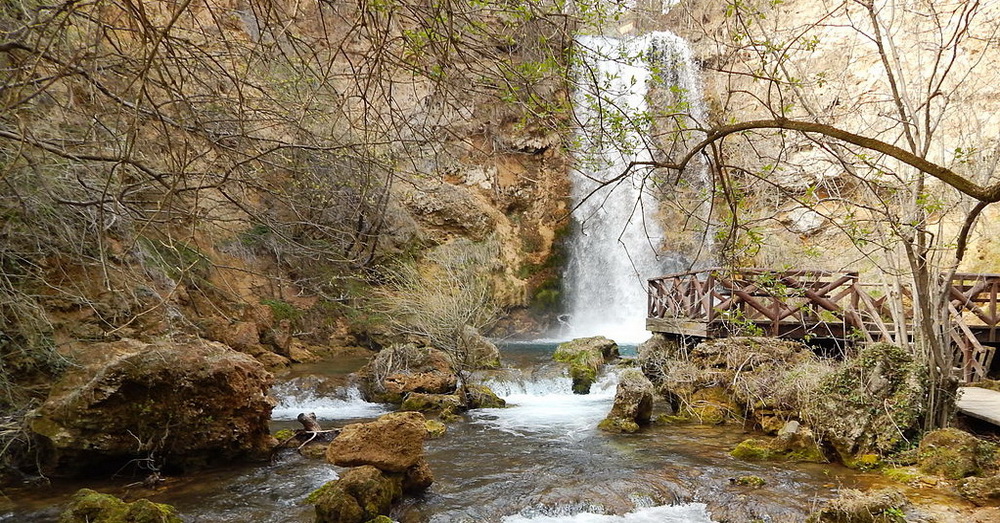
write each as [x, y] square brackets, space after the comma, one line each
[864, 113]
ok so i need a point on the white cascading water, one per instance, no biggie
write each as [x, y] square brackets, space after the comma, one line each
[618, 243]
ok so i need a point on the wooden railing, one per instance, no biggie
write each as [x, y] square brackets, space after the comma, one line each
[811, 303]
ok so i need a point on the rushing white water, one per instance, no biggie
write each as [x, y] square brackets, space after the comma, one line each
[345, 403]
[619, 243]
[548, 406]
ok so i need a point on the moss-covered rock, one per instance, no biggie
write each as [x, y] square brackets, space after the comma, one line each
[633, 404]
[585, 357]
[402, 369]
[435, 429]
[951, 453]
[872, 404]
[800, 446]
[749, 481]
[88, 506]
[981, 491]
[428, 403]
[361, 494]
[482, 397]
[855, 506]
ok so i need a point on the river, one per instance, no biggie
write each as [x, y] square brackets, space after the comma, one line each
[540, 460]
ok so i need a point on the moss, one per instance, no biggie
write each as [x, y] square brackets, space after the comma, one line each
[282, 310]
[779, 449]
[284, 434]
[88, 506]
[618, 426]
[951, 453]
[419, 402]
[865, 462]
[906, 475]
[749, 481]
[482, 397]
[435, 429]
[752, 450]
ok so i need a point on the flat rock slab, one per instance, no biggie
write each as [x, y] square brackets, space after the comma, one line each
[980, 403]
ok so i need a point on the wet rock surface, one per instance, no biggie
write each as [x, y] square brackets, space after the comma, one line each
[633, 404]
[179, 405]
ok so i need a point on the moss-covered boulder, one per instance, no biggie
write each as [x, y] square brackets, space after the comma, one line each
[431, 403]
[585, 358]
[482, 397]
[872, 404]
[633, 404]
[797, 446]
[361, 494]
[402, 369]
[191, 403]
[952, 453]
[88, 506]
[855, 506]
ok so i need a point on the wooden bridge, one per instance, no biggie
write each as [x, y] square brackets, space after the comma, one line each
[806, 304]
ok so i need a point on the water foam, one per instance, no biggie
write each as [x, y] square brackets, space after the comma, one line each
[345, 403]
[547, 406]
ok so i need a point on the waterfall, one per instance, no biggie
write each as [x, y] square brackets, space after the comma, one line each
[618, 242]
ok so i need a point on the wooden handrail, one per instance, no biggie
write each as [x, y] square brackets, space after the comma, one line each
[814, 299]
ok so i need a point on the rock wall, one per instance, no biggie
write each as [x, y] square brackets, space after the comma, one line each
[829, 69]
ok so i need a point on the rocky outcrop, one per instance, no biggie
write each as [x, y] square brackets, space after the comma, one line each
[399, 370]
[952, 453]
[178, 405]
[585, 357]
[633, 404]
[393, 443]
[88, 506]
[840, 407]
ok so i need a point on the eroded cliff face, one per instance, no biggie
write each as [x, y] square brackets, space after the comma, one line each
[247, 172]
[918, 75]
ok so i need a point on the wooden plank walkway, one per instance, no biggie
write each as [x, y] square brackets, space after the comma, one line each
[980, 403]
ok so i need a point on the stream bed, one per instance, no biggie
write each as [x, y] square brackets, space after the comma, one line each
[540, 460]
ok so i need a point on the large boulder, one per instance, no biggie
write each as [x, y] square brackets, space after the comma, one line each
[394, 443]
[872, 404]
[633, 404]
[180, 404]
[952, 453]
[399, 370]
[360, 495]
[585, 357]
[88, 506]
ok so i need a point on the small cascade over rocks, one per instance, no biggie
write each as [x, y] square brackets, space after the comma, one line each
[342, 403]
[618, 242]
